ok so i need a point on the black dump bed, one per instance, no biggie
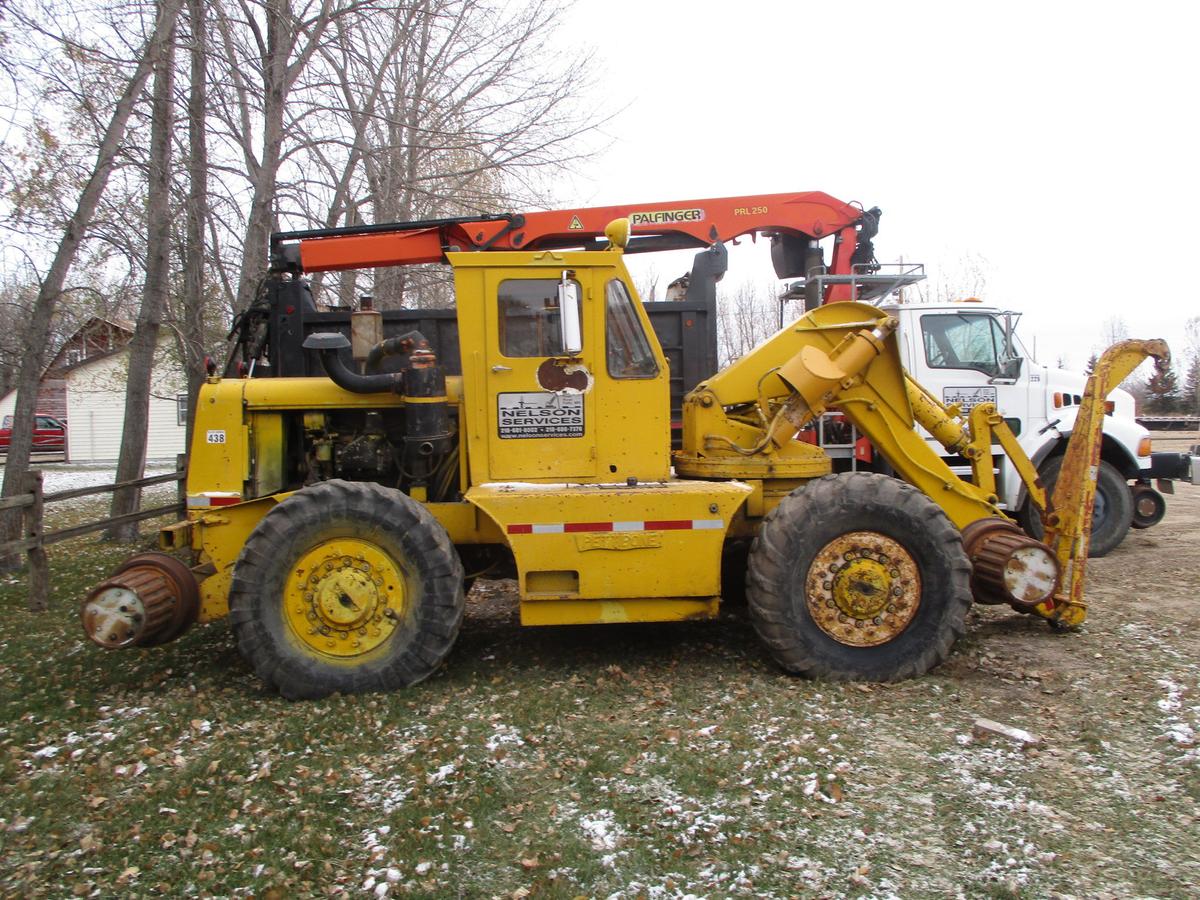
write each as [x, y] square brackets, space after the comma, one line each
[686, 330]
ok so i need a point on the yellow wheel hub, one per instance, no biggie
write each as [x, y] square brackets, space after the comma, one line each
[344, 598]
[863, 589]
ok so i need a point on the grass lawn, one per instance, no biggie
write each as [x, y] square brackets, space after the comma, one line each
[622, 761]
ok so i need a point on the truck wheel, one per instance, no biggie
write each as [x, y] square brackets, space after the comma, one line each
[347, 587]
[858, 577]
[1149, 506]
[1111, 517]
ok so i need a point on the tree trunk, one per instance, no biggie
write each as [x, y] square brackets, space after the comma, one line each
[131, 464]
[51, 287]
[194, 297]
[275, 85]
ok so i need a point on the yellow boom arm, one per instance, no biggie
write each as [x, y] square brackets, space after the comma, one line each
[844, 357]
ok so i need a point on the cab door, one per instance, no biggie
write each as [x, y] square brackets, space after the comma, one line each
[965, 362]
[541, 407]
[964, 354]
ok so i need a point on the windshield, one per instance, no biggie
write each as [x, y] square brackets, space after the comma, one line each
[963, 341]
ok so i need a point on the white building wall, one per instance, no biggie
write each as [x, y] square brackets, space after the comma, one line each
[8, 405]
[96, 408]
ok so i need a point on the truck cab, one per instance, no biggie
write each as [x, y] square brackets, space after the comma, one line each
[968, 353]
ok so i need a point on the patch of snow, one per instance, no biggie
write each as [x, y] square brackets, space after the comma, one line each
[441, 774]
[601, 829]
[504, 736]
[1173, 699]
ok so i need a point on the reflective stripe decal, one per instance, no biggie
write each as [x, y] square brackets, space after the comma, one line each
[647, 525]
[203, 501]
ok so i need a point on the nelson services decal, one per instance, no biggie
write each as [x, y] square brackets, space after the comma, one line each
[536, 414]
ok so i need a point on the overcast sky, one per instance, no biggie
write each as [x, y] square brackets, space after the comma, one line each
[1055, 143]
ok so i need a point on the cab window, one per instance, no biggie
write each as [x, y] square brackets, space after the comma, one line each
[529, 317]
[626, 347]
[962, 341]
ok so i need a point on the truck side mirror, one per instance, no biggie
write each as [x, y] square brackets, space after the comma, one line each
[568, 318]
[1010, 368]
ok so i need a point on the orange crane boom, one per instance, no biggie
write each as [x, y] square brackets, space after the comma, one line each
[792, 221]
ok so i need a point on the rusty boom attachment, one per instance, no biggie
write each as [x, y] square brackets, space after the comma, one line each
[1068, 516]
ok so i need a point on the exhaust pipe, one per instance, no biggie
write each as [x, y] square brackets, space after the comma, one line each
[150, 599]
[334, 350]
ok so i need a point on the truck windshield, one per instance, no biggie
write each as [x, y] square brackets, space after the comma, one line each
[963, 341]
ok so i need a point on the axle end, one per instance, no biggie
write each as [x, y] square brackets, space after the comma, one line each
[1009, 567]
[150, 599]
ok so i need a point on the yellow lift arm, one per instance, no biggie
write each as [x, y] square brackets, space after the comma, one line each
[844, 357]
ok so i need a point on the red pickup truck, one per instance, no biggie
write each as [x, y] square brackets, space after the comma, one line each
[49, 434]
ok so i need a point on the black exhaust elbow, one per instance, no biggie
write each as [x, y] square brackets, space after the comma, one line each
[334, 350]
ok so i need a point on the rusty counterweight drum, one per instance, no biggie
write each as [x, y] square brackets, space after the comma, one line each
[1008, 566]
[150, 599]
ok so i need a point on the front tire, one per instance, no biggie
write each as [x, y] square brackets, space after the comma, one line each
[1111, 517]
[346, 587]
[858, 577]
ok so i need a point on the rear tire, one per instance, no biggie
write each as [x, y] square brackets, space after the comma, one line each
[1111, 518]
[858, 577]
[346, 587]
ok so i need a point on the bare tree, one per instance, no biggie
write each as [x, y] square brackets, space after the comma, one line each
[1113, 330]
[131, 463]
[445, 107]
[272, 40]
[192, 329]
[746, 316]
[52, 283]
[957, 280]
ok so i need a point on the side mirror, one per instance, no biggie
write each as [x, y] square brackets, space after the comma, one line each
[1010, 369]
[568, 320]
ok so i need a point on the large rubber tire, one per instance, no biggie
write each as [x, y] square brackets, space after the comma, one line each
[828, 514]
[1111, 517]
[407, 544]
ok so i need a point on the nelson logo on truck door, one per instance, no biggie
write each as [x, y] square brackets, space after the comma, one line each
[533, 414]
[967, 398]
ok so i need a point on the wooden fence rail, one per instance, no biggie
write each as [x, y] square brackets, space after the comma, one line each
[36, 539]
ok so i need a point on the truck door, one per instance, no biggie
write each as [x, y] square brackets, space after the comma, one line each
[964, 354]
[964, 358]
[541, 409]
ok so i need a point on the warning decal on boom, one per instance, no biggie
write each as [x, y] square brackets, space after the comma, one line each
[539, 415]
